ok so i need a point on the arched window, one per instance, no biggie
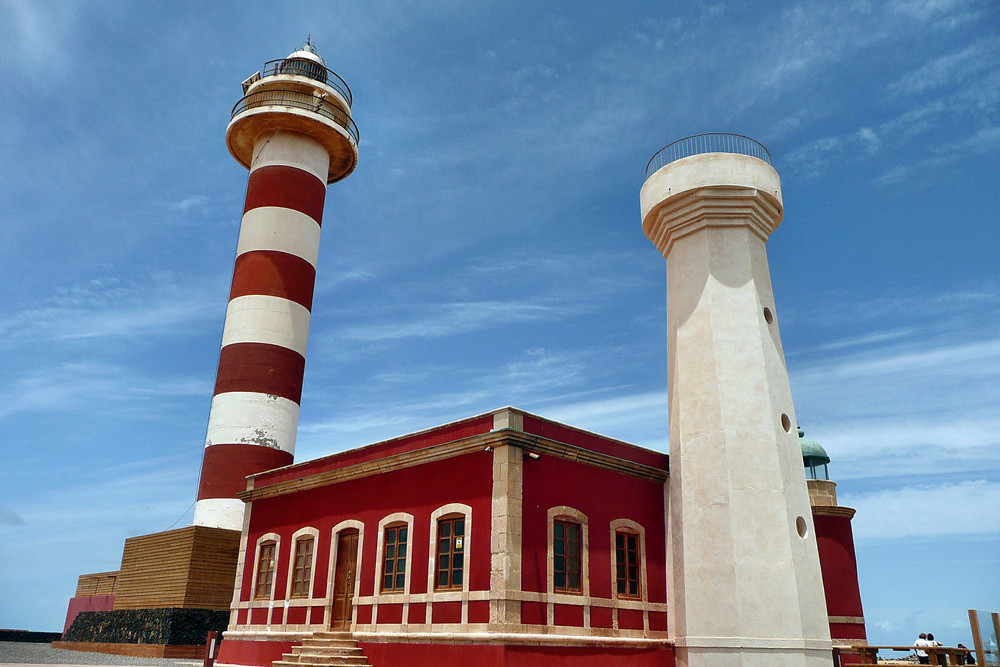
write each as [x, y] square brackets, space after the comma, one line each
[303, 563]
[450, 553]
[395, 534]
[567, 556]
[266, 562]
[569, 560]
[451, 529]
[396, 544]
[628, 562]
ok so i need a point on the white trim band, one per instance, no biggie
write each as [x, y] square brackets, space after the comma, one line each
[292, 149]
[219, 513]
[243, 417]
[755, 643]
[281, 229]
[256, 318]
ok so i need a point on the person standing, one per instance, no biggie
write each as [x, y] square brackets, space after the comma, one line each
[933, 642]
[922, 656]
[969, 658]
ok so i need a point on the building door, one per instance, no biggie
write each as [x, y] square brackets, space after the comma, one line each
[343, 579]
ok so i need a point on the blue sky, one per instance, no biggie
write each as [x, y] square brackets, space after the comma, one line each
[488, 251]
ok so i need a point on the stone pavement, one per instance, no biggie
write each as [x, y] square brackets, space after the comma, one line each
[17, 654]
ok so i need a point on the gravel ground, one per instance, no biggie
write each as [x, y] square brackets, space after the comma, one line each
[26, 653]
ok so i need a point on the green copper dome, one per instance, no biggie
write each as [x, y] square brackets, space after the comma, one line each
[813, 456]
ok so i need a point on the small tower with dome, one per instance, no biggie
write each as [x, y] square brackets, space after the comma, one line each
[835, 542]
[814, 457]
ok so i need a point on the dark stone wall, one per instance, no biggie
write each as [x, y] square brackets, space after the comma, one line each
[146, 626]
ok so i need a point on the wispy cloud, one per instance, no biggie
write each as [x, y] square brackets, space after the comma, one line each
[948, 70]
[196, 201]
[101, 388]
[942, 14]
[917, 311]
[927, 511]
[30, 27]
[448, 319]
[111, 308]
[158, 485]
[923, 392]
[812, 158]
[640, 418]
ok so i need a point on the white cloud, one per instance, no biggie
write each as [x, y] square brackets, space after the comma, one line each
[196, 201]
[439, 320]
[904, 407]
[937, 13]
[36, 31]
[637, 418]
[927, 511]
[948, 70]
[99, 387]
[813, 157]
[110, 308]
[869, 140]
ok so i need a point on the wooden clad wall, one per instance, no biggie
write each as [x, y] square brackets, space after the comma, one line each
[192, 567]
[98, 583]
[213, 568]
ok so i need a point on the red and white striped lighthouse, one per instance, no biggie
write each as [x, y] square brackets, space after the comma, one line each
[293, 131]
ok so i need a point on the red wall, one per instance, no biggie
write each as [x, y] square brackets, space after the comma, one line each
[835, 541]
[406, 443]
[418, 490]
[594, 442]
[446, 655]
[261, 654]
[602, 496]
[87, 603]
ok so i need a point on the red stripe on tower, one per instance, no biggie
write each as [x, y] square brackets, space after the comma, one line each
[271, 273]
[229, 465]
[261, 368]
[286, 187]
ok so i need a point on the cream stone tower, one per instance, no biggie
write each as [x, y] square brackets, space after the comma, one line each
[744, 578]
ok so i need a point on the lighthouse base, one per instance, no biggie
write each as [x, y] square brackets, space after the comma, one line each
[172, 588]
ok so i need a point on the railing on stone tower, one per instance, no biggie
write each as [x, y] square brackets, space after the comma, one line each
[295, 99]
[712, 142]
[310, 69]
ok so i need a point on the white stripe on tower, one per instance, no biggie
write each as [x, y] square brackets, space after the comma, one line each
[255, 408]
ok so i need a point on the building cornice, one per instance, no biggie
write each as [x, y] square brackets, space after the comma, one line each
[833, 510]
[440, 452]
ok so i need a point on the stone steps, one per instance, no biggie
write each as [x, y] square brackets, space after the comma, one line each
[325, 649]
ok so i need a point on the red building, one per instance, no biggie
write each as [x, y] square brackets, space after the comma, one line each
[501, 539]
